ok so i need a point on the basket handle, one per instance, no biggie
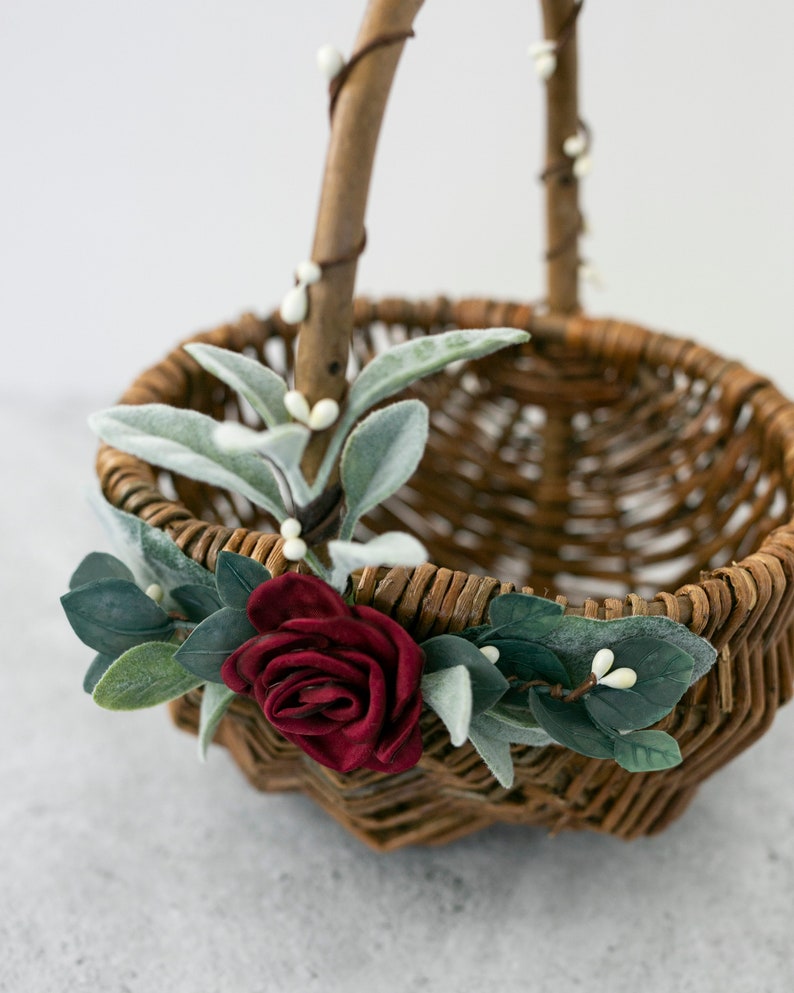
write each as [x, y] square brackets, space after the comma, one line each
[357, 113]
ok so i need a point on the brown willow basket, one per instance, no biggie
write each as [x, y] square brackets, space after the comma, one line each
[601, 462]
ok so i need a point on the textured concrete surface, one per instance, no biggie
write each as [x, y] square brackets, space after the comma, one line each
[127, 867]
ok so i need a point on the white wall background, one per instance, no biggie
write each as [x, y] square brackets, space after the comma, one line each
[161, 163]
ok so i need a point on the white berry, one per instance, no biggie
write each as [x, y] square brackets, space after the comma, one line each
[491, 652]
[297, 406]
[330, 61]
[619, 679]
[308, 272]
[323, 414]
[155, 592]
[582, 166]
[295, 305]
[602, 662]
[291, 528]
[574, 145]
[294, 549]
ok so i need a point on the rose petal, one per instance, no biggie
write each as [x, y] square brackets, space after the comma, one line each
[333, 751]
[292, 595]
[402, 760]
[408, 672]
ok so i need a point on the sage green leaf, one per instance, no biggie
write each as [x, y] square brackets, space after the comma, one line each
[237, 577]
[144, 676]
[381, 454]
[183, 441]
[528, 660]
[96, 670]
[647, 751]
[511, 725]
[284, 447]
[152, 555]
[260, 386]
[495, 754]
[215, 702]
[521, 615]
[663, 674]
[577, 640]
[112, 615]
[447, 651]
[197, 602]
[389, 549]
[99, 565]
[449, 693]
[389, 373]
[569, 725]
[213, 641]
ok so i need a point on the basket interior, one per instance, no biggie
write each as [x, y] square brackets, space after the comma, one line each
[559, 471]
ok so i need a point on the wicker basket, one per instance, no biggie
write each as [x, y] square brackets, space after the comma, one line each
[600, 463]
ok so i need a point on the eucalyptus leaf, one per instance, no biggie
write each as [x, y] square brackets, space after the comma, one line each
[381, 454]
[183, 441]
[495, 754]
[99, 565]
[112, 615]
[528, 660]
[215, 702]
[446, 651]
[509, 725]
[213, 641]
[237, 577]
[389, 373]
[151, 554]
[663, 674]
[647, 751]
[196, 602]
[449, 693]
[260, 386]
[569, 725]
[521, 615]
[389, 549]
[144, 676]
[96, 670]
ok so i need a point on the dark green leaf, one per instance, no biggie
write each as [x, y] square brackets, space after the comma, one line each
[197, 602]
[528, 660]
[96, 671]
[519, 615]
[487, 684]
[99, 565]
[213, 641]
[112, 615]
[568, 724]
[663, 674]
[237, 577]
[646, 751]
[144, 676]
[215, 702]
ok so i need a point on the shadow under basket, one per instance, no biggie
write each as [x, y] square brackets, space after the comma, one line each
[598, 464]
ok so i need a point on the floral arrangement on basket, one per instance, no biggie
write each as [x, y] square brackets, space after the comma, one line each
[379, 670]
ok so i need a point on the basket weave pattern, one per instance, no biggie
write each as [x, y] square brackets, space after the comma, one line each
[602, 463]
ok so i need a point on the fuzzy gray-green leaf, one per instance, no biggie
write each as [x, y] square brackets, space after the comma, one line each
[495, 754]
[448, 693]
[446, 651]
[215, 702]
[381, 454]
[260, 386]
[144, 676]
[183, 441]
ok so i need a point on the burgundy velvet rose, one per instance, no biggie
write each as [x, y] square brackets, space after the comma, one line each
[340, 682]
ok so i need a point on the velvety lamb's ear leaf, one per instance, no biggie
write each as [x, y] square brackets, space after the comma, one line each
[196, 602]
[99, 565]
[237, 577]
[529, 660]
[663, 674]
[183, 441]
[569, 725]
[144, 676]
[215, 702]
[521, 615]
[381, 454]
[284, 447]
[152, 555]
[112, 615]
[260, 386]
[389, 549]
[96, 671]
[213, 641]
[448, 693]
[389, 373]
[647, 751]
[495, 754]
[447, 651]
[511, 725]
